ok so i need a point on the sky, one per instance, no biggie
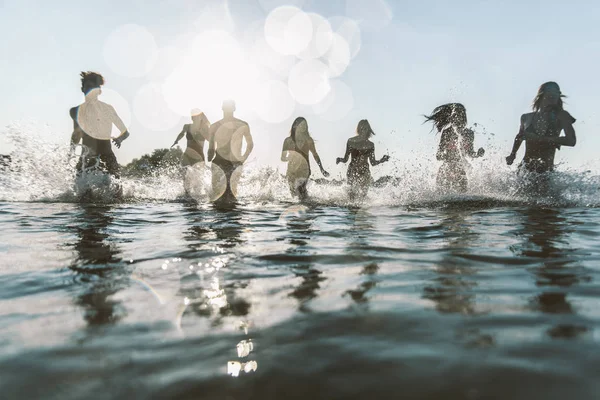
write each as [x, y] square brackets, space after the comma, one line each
[332, 61]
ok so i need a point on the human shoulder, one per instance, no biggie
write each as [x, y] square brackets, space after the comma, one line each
[565, 117]
[73, 112]
[527, 117]
[214, 126]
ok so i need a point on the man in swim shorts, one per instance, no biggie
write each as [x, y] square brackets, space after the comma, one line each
[92, 126]
[225, 152]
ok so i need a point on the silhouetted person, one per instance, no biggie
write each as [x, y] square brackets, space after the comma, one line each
[456, 143]
[225, 152]
[92, 125]
[196, 134]
[362, 151]
[541, 130]
[295, 151]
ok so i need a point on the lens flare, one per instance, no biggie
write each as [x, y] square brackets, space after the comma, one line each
[167, 60]
[338, 57]
[288, 30]
[131, 51]
[152, 111]
[349, 30]
[274, 103]
[270, 5]
[322, 37]
[337, 104]
[372, 15]
[309, 82]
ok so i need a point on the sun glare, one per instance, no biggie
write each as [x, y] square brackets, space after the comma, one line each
[289, 58]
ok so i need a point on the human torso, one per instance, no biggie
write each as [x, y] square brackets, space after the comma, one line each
[543, 124]
[91, 119]
[196, 136]
[298, 151]
[360, 151]
[453, 144]
[228, 136]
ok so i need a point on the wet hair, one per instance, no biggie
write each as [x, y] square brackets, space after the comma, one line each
[90, 80]
[447, 114]
[295, 126]
[364, 127]
[537, 102]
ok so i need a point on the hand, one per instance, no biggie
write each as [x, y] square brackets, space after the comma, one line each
[510, 159]
[325, 173]
[117, 142]
[385, 158]
[480, 152]
[339, 160]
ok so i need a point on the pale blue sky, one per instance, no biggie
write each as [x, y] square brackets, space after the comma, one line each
[490, 55]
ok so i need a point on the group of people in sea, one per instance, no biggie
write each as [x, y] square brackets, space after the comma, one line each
[540, 129]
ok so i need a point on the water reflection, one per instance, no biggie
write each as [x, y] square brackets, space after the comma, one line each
[203, 286]
[362, 228]
[545, 234]
[98, 266]
[453, 284]
[299, 234]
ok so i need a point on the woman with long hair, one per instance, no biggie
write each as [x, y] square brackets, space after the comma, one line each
[541, 130]
[196, 134]
[296, 150]
[362, 151]
[456, 143]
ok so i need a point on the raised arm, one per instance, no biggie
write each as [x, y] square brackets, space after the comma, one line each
[517, 142]
[180, 136]
[313, 149]
[345, 158]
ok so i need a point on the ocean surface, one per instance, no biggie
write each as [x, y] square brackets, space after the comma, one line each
[493, 294]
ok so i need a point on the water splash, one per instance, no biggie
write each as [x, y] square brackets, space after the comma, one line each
[43, 171]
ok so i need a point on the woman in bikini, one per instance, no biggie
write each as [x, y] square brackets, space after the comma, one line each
[295, 152]
[541, 130]
[456, 143]
[196, 134]
[362, 151]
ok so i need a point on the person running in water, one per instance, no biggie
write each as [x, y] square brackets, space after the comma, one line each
[92, 125]
[295, 152]
[456, 143]
[362, 151]
[541, 130]
[225, 151]
[196, 134]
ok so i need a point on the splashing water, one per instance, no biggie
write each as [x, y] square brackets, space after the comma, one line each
[43, 171]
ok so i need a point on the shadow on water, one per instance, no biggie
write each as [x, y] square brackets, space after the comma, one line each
[545, 234]
[98, 266]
